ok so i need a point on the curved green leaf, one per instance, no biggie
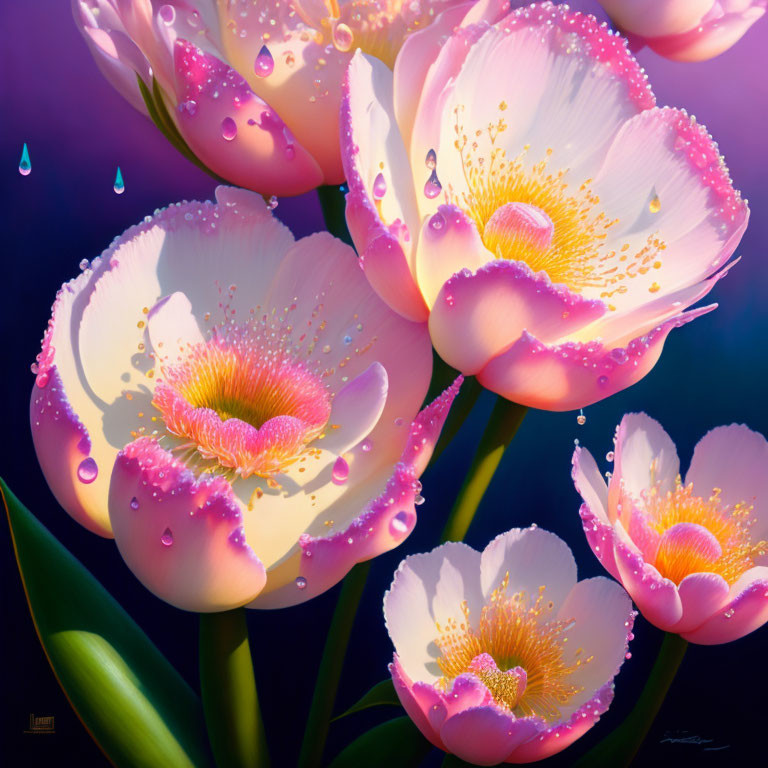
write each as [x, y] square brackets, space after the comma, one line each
[396, 742]
[133, 703]
[381, 695]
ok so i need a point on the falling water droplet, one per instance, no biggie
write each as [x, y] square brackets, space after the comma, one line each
[431, 160]
[340, 471]
[342, 37]
[301, 582]
[272, 203]
[25, 165]
[655, 205]
[418, 500]
[87, 471]
[119, 186]
[167, 538]
[379, 186]
[581, 419]
[228, 129]
[134, 503]
[433, 187]
[264, 64]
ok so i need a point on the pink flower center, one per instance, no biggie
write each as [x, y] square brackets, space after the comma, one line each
[244, 403]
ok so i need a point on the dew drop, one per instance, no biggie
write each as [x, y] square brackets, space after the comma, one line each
[272, 203]
[437, 222]
[119, 185]
[398, 525]
[431, 160]
[134, 503]
[167, 538]
[340, 471]
[654, 206]
[379, 186]
[167, 14]
[366, 445]
[342, 37]
[610, 456]
[419, 500]
[87, 471]
[399, 421]
[228, 129]
[581, 419]
[347, 340]
[433, 187]
[264, 64]
[602, 381]
[301, 582]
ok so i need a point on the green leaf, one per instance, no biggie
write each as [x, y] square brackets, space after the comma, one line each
[133, 703]
[396, 742]
[381, 695]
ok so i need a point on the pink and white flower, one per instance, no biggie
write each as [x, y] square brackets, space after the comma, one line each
[685, 30]
[514, 185]
[253, 87]
[239, 410]
[503, 655]
[693, 555]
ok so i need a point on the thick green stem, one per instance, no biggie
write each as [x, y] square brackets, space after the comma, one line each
[505, 419]
[334, 205]
[228, 690]
[331, 663]
[618, 750]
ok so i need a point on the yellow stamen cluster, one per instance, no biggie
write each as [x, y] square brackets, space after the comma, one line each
[577, 256]
[517, 631]
[730, 525]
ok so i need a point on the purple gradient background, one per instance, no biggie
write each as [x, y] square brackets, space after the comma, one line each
[712, 372]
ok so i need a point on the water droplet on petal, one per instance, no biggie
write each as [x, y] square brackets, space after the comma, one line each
[437, 222]
[419, 500]
[654, 206]
[433, 187]
[167, 14]
[342, 37]
[340, 471]
[25, 165]
[272, 204]
[119, 186]
[134, 503]
[431, 160]
[366, 445]
[167, 538]
[398, 525]
[264, 64]
[602, 381]
[379, 186]
[228, 128]
[610, 456]
[87, 471]
[581, 419]
[301, 582]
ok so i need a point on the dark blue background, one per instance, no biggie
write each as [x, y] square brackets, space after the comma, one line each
[712, 372]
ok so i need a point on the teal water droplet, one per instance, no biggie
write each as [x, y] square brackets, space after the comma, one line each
[25, 166]
[119, 183]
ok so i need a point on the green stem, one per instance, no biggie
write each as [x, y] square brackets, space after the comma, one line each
[228, 690]
[618, 749]
[505, 419]
[331, 663]
[334, 206]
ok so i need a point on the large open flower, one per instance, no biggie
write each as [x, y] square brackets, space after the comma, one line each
[514, 184]
[253, 87]
[503, 655]
[685, 30]
[238, 410]
[693, 555]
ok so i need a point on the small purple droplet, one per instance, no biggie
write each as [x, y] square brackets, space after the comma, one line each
[264, 64]
[619, 355]
[433, 187]
[366, 445]
[437, 222]
[340, 471]
[301, 582]
[398, 525]
[431, 160]
[167, 14]
[87, 471]
[134, 503]
[379, 186]
[290, 152]
[602, 381]
[228, 128]
[167, 538]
